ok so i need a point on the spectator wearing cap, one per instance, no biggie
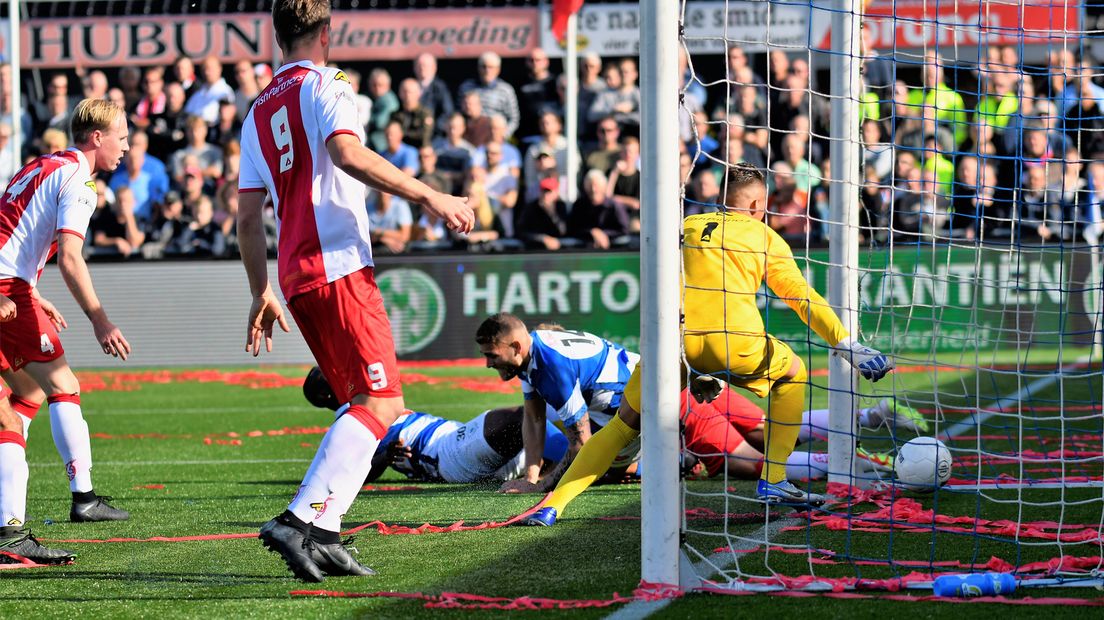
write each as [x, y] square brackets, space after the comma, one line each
[398, 153]
[435, 94]
[543, 223]
[479, 129]
[454, 153]
[384, 104]
[154, 100]
[497, 96]
[247, 89]
[511, 156]
[536, 95]
[414, 119]
[209, 156]
[552, 143]
[204, 102]
[144, 176]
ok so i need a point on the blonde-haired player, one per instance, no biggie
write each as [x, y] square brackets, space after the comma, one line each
[726, 256]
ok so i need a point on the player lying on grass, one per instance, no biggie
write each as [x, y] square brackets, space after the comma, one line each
[432, 449]
[726, 436]
[575, 376]
[726, 256]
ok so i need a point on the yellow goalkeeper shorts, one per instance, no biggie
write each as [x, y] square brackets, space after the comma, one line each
[752, 363]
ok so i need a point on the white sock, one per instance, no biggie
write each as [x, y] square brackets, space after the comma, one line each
[26, 424]
[806, 465]
[13, 480]
[814, 425]
[71, 438]
[334, 478]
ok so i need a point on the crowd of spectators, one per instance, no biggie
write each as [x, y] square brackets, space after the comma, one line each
[1018, 155]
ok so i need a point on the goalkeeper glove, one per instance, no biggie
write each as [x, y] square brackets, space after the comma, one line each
[705, 388]
[871, 363]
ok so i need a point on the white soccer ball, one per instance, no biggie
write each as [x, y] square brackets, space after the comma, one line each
[923, 464]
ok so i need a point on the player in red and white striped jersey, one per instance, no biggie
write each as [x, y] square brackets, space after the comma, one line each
[47, 205]
[302, 145]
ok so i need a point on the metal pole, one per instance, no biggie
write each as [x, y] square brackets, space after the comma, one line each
[14, 50]
[571, 108]
[843, 231]
[660, 264]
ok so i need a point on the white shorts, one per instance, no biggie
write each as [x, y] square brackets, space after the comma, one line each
[465, 456]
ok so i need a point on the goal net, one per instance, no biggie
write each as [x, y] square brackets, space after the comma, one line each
[945, 166]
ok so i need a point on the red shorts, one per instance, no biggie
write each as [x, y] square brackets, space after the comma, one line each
[347, 330]
[30, 336]
[713, 430]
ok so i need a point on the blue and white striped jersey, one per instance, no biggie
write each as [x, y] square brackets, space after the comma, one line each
[420, 432]
[451, 451]
[577, 373]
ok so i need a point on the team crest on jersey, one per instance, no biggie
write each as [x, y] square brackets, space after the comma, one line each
[341, 77]
[91, 185]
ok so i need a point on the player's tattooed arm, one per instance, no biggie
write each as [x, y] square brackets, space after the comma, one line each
[578, 434]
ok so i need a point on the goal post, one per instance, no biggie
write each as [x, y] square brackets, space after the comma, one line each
[660, 266]
[843, 231]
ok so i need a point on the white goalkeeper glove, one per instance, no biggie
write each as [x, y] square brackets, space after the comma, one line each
[871, 363]
[706, 388]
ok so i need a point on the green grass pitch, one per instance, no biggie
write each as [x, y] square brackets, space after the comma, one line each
[180, 457]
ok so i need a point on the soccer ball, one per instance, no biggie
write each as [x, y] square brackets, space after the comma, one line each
[923, 464]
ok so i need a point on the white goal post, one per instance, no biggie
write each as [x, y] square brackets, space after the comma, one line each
[660, 266]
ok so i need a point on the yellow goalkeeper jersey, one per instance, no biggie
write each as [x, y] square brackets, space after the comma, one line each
[726, 256]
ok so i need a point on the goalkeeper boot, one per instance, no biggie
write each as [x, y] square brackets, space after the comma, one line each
[21, 542]
[545, 517]
[896, 414]
[874, 461]
[336, 560]
[96, 509]
[294, 546]
[785, 493]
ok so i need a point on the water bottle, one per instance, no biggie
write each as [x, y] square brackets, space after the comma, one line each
[980, 584]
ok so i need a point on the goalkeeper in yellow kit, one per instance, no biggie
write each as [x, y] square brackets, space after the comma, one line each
[726, 256]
